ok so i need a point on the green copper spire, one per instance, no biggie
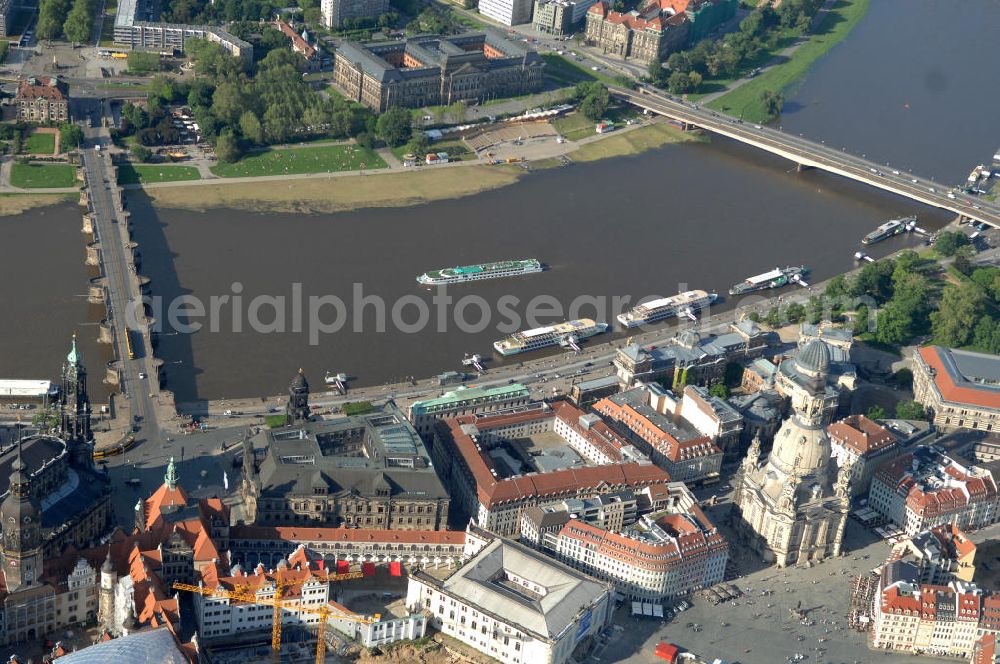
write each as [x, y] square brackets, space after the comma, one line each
[74, 354]
[171, 477]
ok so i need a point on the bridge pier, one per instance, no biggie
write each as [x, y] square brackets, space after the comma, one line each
[95, 293]
[104, 334]
[93, 254]
[802, 167]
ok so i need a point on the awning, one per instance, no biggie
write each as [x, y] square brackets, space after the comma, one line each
[343, 567]
[368, 569]
[396, 569]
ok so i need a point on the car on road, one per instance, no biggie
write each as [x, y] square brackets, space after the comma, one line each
[142, 375]
[895, 172]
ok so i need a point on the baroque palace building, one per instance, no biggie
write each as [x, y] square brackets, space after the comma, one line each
[361, 471]
[792, 509]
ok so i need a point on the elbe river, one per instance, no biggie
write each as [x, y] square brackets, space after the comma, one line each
[903, 88]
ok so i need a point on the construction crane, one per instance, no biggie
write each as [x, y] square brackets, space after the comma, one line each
[244, 593]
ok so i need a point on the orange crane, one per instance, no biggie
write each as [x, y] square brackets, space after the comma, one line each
[244, 593]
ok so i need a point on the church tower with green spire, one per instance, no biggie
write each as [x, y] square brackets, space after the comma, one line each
[74, 404]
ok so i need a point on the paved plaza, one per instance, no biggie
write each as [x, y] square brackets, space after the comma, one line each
[760, 629]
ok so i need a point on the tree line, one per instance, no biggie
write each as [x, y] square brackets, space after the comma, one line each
[238, 107]
[73, 19]
[904, 300]
[760, 31]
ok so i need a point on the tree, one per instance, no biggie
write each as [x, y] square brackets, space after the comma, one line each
[251, 128]
[894, 325]
[907, 263]
[595, 104]
[903, 378]
[773, 102]
[876, 412]
[229, 102]
[719, 389]
[949, 242]
[795, 313]
[279, 120]
[161, 88]
[679, 82]
[141, 62]
[51, 17]
[986, 335]
[910, 410]
[227, 148]
[418, 145]
[657, 74]
[79, 22]
[395, 126]
[70, 136]
[959, 310]
[988, 278]
[680, 61]
[457, 111]
[141, 153]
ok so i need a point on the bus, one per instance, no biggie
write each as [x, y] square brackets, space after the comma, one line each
[128, 344]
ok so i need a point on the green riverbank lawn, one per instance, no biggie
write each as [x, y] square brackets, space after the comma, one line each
[746, 99]
[42, 176]
[39, 143]
[293, 161]
[149, 173]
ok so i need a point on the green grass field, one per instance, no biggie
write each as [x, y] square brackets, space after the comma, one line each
[746, 99]
[42, 176]
[575, 126]
[326, 159]
[149, 173]
[38, 143]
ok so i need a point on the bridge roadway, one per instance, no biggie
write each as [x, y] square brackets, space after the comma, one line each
[123, 288]
[809, 153]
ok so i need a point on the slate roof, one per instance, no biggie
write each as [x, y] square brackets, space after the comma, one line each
[302, 458]
[567, 592]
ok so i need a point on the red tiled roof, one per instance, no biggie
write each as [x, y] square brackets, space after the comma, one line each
[492, 490]
[46, 88]
[950, 391]
[300, 534]
[663, 441]
[299, 45]
[953, 539]
[164, 497]
[894, 601]
[861, 434]
[930, 501]
[985, 649]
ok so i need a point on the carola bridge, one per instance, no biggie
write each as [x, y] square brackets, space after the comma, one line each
[808, 153]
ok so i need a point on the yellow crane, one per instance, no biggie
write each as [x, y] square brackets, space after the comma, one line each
[244, 593]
